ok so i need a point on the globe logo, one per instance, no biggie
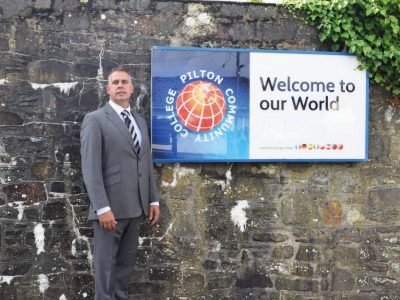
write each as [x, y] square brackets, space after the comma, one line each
[200, 106]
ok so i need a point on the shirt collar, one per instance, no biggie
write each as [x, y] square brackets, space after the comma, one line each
[119, 109]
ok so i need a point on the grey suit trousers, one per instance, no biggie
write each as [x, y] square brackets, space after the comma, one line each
[114, 257]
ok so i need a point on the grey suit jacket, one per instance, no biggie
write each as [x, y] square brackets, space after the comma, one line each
[114, 174]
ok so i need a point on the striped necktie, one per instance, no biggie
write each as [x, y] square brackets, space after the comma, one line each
[131, 129]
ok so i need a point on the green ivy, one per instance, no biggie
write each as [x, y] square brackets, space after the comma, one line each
[368, 28]
[84, 1]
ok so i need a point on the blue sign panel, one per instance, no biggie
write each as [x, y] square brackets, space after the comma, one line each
[240, 105]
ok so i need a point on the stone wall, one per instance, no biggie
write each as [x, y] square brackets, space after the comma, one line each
[229, 230]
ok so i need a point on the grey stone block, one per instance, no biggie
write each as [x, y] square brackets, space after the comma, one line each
[13, 8]
[342, 280]
[43, 4]
[49, 71]
[76, 21]
[10, 118]
[104, 4]
[66, 5]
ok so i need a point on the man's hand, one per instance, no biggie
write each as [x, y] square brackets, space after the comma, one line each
[154, 214]
[107, 220]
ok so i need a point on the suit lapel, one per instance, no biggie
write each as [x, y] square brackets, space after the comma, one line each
[116, 120]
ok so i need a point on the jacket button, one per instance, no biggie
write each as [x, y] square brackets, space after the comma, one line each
[140, 174]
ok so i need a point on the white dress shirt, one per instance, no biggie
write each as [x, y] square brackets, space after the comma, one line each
[118, 109]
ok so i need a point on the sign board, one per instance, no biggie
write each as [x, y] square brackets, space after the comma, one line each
[253, 105]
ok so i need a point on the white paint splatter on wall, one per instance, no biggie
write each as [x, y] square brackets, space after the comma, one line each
[395, 267]
[39, 238]
[141, 240]
[6, 279]
[79, 237]
[64, 87]
[238, 214]
[73, 248]
[178, 173]
[19, 206]
[228, 176]
[190, 22]
[204, 18]
[216, 246]
[43, 281]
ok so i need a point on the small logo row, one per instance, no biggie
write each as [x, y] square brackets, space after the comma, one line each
[319, 147]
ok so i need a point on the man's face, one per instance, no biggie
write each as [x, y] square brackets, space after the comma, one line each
[120, 88]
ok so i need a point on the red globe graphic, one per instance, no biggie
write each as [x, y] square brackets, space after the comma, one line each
[200, 105]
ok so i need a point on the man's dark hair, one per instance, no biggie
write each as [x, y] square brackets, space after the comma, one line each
[120, 69]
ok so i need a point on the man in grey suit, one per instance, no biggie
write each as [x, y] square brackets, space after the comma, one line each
[118, 173]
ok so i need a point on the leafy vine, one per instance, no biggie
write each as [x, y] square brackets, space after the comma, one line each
[368, 28]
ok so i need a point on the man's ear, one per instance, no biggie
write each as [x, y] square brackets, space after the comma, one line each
[108, 89]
